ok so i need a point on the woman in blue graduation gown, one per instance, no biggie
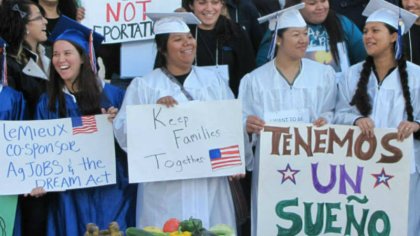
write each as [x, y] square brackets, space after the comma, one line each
[12, 104]
[74, 90]
[12, 107]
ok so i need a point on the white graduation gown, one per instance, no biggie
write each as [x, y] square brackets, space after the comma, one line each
[388, 110]
[208, 199]
[266, 94]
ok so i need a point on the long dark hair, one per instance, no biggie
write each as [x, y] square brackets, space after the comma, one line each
[162, 48]
[14, 17]
[88, 93]
[361, 98]
[332, 25]
[66, 7]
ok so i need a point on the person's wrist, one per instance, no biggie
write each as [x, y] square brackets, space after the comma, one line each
[356, 120]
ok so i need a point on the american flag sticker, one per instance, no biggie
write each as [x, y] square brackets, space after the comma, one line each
[84, 125]
[225, 157]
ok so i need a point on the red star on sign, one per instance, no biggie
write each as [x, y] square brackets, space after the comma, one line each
[382, 178]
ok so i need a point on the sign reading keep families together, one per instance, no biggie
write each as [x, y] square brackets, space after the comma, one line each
[124, 20]
[56, 154]
[191, 140]
[332, 180]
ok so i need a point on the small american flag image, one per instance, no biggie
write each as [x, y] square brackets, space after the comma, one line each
[225, 157]
[84, 125]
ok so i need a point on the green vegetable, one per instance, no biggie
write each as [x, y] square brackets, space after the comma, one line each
[132, 231]
[204, 232]
[192, 225]
[222, 230]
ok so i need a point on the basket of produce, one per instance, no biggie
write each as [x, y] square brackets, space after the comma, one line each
[174, 227]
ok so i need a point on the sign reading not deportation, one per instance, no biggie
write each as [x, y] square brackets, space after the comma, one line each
[124, 20]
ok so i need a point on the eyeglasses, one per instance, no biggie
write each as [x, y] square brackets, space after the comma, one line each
[40, 17]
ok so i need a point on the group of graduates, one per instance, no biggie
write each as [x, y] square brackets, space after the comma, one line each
[364, 81]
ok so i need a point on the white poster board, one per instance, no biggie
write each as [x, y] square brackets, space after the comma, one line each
[137, 58]
[124, 20]
[57, 154]
[332, 181]
[191, 140]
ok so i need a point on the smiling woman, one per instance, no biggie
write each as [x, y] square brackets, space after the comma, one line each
[289, 88]
[176, 80]
[67, 61]
[333, 38]
[23, 27]
[384, 90]
[179, 52]
[221, 43]
[74, 90]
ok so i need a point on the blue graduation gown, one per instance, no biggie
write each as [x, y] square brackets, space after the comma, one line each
[12, 107]
[70, 211]
[12, 104]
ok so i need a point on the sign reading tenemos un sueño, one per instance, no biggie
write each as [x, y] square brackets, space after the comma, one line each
[332, 180]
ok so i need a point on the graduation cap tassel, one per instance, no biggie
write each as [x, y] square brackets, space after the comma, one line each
[92, 55]
[4, 65]
[273, 42]
[272, 48]
[399, 46]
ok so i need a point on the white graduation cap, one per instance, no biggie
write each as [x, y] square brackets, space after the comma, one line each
[174, 22]
[287, 18]
[383, 11]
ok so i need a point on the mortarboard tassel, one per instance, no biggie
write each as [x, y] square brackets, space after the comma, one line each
[4, 65]
[399, 46]
[92, 55]
[272, 49]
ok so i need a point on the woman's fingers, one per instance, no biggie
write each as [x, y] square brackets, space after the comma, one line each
[254, 124]
[168, 101]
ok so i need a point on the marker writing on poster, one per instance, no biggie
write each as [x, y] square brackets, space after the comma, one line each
[127, 21]
[325, 140]
[183, 135]
[163, 162]
[326, 217]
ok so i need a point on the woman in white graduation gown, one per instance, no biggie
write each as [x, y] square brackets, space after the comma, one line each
[178, 81]
[384, 90]
[289, 88]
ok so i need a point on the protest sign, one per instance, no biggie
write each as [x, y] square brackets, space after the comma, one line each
[57, 154]
[143, 64]
[124, 20]
[7, 214]
[191, 140]
[332, 180]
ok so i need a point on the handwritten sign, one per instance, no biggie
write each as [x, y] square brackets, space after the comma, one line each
[7, 214]
[332, 180]
[191, 140]
[124, 20]
[56, 154]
